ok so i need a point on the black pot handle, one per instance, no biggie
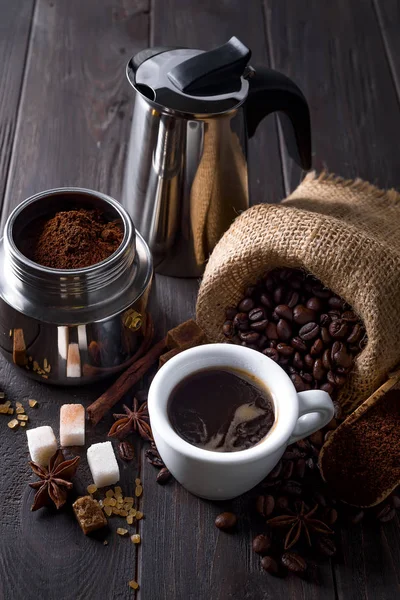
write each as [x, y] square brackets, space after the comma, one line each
[271, 91]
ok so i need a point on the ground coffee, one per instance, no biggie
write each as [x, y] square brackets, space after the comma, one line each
[361, 461]
[75, 239]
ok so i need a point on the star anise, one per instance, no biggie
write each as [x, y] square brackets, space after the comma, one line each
[299, 522]
[55, 480]
[135, 420]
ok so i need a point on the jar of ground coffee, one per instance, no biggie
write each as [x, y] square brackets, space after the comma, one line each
[74, 282]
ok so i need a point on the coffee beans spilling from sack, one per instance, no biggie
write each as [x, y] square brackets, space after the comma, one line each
[293, 319]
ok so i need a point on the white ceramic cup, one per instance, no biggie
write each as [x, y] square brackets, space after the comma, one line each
[224, 475]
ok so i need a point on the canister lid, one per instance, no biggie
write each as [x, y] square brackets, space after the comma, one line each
[192, 81]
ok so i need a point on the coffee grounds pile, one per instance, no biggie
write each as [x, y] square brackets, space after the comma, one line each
[365, 458]
[75, 239]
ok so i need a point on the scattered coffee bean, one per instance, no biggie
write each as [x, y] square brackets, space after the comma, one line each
[287, 470]
[386, 514]
[126, 451]
[257, 314]
[284, 330]
[331, 516]
[300, 468]
[276, 471]
[284, 349]
[261, 544]
[303, 315]
[246, 305]
[284, 312]
[294, 562]
[271, 353]
[282, 503]
[226, 521]
[326, 546]
[309, 332]
[357, 517]
[270, 565]
[163, 476]
[291, 487]
[338, 329]
[265, 505]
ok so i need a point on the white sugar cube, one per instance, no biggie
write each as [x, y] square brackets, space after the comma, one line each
[72, 425]
[42, 444]
[103, 464]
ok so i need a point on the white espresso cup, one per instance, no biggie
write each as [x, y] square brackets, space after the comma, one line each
[224, 475]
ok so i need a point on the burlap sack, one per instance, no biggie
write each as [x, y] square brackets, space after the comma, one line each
[346, 233]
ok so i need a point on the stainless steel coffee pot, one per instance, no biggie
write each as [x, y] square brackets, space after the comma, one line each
[186, 175]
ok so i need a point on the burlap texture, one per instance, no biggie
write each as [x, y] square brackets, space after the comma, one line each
[345, 233]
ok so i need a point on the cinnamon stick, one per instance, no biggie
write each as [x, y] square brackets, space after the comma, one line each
[128, 379]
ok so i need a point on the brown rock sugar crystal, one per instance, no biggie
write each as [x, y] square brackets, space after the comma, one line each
[75, 239]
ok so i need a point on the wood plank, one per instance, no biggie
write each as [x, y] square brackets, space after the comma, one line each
[335, 51]
[14, 39]
[183, 555]
[388, 15]
[72, 129]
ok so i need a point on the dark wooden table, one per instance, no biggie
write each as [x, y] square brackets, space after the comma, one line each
[65, 111]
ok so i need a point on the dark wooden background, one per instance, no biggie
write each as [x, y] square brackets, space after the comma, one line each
[65, 111]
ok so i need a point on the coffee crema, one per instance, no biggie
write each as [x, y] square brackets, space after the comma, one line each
[221, 410]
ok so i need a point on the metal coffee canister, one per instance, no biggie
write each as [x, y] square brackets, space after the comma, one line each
[72, 326]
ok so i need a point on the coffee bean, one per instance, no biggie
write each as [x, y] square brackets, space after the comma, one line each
[297, 361]
[271, 353]
[270, 565]
[309, 362]
[284, 360]
[261, 544]
[349, 316]
[331, 516]
[321, 292]
[306, 376]
[127, 451]
[395, 501]
[265, 505]
[271, 331]
[276, 471]
[163, 476]
[262, 342]
[256, 314]
[270, 282]
[266, 301]
[282, 503]
[326, 360]
[315, 304]
[284, 312]
[298, 383]
[325, 320]
[284, 330]
[327, 435]
[291, 487]
[340, 356]
[340, 380]
[303, 315]
[335, 302]
[279, 294]
[284, 349]
[331, 378]
[241, 319]
[294, 562]
[300, 468]
[326, 338]
[287, 470]
[338, 329]
[309, 331]
[259, 325]
[328, 388]
[317, 438]
[326, 546]
[230, 312]
[357, 517]
[226, 521]
[317, 348]
[310, 464]
[246, 305]
[251, 337]
[355, 334]
[273, 344]
[318, 370]
[228, 329]
[298, 344]
[292, 299]
[249, 291]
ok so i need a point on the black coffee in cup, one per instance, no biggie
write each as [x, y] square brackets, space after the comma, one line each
[221, 409]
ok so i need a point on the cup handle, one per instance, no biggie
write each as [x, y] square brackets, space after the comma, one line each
[315, 411]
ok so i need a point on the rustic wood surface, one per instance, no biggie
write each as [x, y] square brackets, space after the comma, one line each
[65, 112]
